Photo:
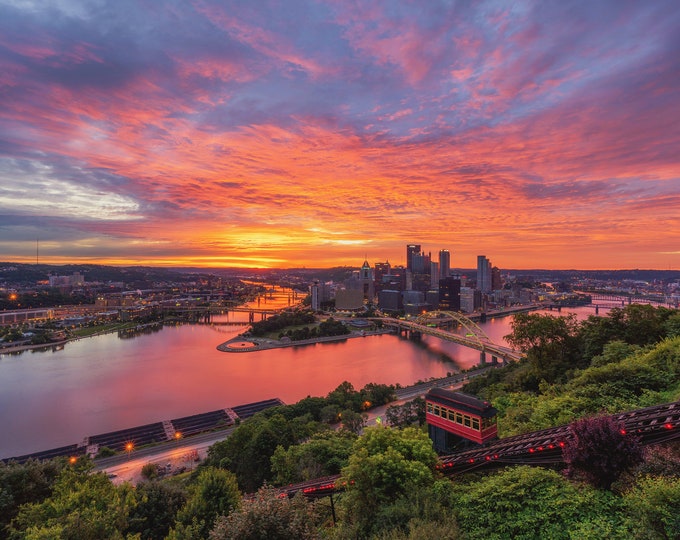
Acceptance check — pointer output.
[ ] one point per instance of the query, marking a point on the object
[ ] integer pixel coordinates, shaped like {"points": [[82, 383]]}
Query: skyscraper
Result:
{"points": [[483, 274], [449, 293], [444, 263], [496, 281], [411, 250]]}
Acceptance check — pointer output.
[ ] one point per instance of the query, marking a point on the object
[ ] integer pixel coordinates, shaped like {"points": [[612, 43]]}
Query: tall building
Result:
{"points": [[411, 250], [496, 281], [483, 274], [449, 293], [420, 263], [363, 280], [380, 270], [315, 296], [444, 263], [434, 275]]}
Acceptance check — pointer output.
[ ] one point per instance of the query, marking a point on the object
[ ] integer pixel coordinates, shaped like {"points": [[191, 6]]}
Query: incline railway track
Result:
{"points": [[650, 425]]}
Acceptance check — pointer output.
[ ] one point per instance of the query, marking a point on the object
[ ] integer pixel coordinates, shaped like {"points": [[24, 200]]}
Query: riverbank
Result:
{"points": [[58, 345], [251, 344], [55, 345]]}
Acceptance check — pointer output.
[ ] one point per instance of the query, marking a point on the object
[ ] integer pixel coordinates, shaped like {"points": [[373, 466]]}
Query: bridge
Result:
{"points": [[431, 323], [205, 313], [623, 298], [24, 315]]}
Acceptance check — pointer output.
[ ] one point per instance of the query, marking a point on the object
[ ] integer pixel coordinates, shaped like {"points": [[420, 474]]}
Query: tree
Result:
{"points": [[30, 482], [83, 506], [672, 325], [411, 412], [248, 451], [654, 508], [600, 450], [323, 454], [530, 502], [550, 343], [150, 471], [614, 351], [157, 504], [269, 517], [215, 493], [352, 421], [385, 465], [378, 394], [345, 397]]}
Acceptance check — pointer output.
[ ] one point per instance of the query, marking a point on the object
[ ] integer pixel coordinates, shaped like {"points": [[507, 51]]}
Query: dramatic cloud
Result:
{"points": [[313, 133]]}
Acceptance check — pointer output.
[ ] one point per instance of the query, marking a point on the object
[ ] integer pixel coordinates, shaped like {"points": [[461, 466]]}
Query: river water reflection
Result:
{"points": [[95, 385]]}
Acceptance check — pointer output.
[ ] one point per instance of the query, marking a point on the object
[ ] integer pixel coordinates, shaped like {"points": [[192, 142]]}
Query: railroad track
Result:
{"points": [[650, 425]]}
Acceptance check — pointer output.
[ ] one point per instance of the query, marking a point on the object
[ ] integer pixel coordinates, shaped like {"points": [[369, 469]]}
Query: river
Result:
{"points": [[53, 398]]}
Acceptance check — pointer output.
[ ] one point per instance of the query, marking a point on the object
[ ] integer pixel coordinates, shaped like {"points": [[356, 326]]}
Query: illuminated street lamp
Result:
{"points": [[72, 460], [129, 447], [178, 435]]}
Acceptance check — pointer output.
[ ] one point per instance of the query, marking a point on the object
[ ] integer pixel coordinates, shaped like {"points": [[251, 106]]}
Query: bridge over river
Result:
{"points": [[440, 324]]}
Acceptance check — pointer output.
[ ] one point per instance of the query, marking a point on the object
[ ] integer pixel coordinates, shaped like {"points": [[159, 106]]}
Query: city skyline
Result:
{"points": [[219, 134]]}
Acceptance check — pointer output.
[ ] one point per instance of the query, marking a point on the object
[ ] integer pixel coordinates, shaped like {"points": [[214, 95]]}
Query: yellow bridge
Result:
{"points": [[440, 324]]}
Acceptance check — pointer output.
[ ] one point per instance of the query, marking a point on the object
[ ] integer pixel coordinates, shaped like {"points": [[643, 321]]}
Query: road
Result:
{"points": [[181, 455]]}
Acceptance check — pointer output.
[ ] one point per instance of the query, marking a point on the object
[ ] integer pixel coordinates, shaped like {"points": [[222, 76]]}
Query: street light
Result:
{"points": [[178, 435], [129, 447]]}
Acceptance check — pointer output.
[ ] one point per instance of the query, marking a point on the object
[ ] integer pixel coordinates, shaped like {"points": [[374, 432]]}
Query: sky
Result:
{"points": [[542, 134]]}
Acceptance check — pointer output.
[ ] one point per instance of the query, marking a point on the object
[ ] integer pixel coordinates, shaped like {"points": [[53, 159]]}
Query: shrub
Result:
{"points": [[600, 450]]}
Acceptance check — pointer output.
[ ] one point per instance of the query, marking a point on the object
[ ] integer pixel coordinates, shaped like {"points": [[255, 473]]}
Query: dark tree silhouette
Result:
{"points": [[600, 450]]}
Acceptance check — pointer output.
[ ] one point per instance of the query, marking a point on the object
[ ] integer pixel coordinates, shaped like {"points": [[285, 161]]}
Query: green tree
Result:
{"points": [[155, 510], [411, 412], [345, 397], [654, 508], [323, 454], [378, 394], [385, 465], [150, 471], [214, 493], [83, 506], [248, 451], [550, 343], [672, 325], [614, 351], [352, 421], [30, 482], [534, 503], [269, 517]]}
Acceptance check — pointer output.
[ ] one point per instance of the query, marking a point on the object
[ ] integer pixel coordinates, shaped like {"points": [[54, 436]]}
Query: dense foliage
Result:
{"points": [[600, 450], [249, 450], [278, 322], [299, 325]]}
